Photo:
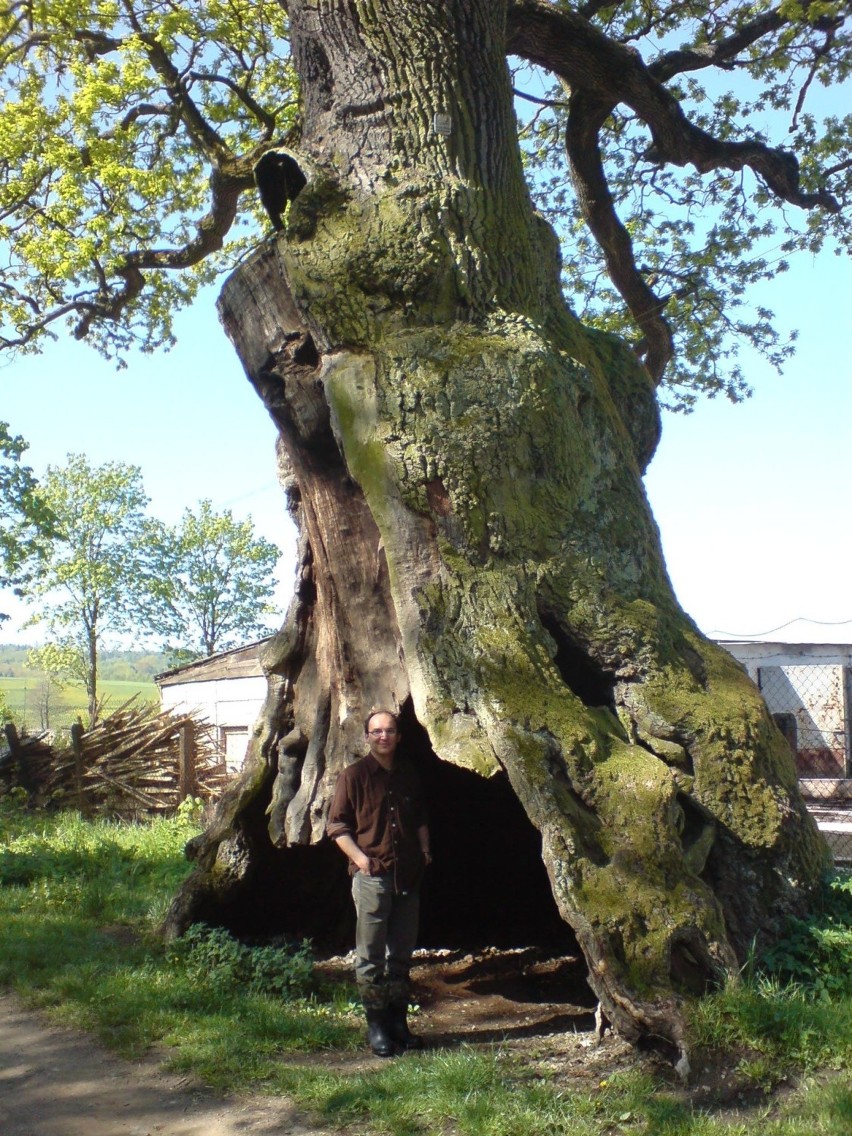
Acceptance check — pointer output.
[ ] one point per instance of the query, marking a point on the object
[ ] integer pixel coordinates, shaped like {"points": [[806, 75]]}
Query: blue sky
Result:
{"points": [[751, 500]]}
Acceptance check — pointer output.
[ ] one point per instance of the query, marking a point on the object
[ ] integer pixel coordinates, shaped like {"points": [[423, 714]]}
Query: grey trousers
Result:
{"points": [[385, 936]]}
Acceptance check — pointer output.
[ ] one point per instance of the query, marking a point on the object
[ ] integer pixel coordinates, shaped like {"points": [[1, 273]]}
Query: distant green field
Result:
{"points": [[25, 698]]}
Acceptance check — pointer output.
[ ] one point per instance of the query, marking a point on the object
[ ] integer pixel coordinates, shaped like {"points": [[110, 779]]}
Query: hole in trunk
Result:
{"points": [[593, 685], [488, 886]]}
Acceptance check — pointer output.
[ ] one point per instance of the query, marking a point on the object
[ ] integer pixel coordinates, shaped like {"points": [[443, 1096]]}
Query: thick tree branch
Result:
{"points": [[586, 116], [110, 305], [208, 140], [211, 230], [112, 309], [721, 54], [586, 59], [601, 73], [94, 42]]}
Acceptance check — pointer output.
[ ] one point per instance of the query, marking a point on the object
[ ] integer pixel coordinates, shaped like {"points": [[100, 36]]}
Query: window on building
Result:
{"points": [[233, 741]]}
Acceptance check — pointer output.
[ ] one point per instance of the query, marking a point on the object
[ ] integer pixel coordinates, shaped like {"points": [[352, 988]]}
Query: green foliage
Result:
{"points": [[211, 955], [26, 521], [703, 238], [38, 703], [816, 953], [79, 901], [127, 132], [114, 665], [109, 870], [793, 1012], [212, 580], [92, 581]]}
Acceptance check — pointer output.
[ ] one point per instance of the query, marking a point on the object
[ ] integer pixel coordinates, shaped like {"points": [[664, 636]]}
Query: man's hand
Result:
{"points": [[348, 846]]}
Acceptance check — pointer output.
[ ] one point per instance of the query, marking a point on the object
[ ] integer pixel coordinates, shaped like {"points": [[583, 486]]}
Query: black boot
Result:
{"points": [[397, 1027], [378, 1034]]}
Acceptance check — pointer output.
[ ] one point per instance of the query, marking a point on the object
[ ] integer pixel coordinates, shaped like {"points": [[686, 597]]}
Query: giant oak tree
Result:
{"points": [[464, 460]]}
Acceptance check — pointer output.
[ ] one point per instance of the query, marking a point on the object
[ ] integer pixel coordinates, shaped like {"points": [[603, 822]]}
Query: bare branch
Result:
{"points": [[838, 168], [111, 309], [555, 103], [819, 52], [266, 119]]}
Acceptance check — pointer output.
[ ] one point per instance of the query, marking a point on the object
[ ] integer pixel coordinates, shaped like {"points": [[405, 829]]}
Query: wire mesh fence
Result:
{"points": [[810, 704]]}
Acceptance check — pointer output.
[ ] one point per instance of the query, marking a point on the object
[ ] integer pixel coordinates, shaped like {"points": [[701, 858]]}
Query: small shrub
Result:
{"points": [[211, 956], [816, 952], [190, 811]]}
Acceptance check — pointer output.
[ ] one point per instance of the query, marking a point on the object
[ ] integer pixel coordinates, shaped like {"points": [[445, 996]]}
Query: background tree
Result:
{"points": [[212, 581], [92, 583], [26, 523], [464, 458]]}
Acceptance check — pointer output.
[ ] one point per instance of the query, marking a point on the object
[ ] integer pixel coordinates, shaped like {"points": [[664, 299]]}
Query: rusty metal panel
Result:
{"points": [[810, 705]]}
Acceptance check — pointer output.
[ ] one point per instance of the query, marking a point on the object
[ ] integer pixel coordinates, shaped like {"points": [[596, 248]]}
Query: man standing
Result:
{"points": [[378, 820]]}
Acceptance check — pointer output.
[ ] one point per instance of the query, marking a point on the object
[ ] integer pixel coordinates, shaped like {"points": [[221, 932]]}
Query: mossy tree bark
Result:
{"points": [[464, 461]]}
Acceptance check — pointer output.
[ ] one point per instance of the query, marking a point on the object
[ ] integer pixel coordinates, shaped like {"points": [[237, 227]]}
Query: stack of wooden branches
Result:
{"points": [[139, 759]]}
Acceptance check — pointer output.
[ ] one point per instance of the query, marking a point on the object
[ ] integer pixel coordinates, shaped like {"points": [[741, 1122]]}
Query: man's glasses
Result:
{"points": [[383, 733]]}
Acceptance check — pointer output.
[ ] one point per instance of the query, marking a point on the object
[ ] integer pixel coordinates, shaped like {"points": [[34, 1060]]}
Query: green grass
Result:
{"points": [[23, 696], [79, 904]]}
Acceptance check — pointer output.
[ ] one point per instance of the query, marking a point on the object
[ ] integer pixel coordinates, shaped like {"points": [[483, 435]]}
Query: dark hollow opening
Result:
{"points": [[487, 887], [593, 685]]}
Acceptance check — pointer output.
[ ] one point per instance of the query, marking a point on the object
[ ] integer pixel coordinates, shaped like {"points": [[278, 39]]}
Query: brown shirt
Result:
{"points": [[382, 810]]}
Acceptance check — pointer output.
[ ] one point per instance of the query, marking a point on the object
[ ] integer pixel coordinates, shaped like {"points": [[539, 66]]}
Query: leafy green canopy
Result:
{"points": [[211, 581], [108, 569], [128, 132], [703, 233], [26, 521], [92, 581]]}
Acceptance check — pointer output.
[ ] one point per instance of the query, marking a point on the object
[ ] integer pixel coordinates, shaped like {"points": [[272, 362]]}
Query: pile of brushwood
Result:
{"points": [[138, 760]]}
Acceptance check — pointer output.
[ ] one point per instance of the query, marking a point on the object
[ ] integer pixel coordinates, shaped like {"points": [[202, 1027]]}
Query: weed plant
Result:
{"points": [[79, 904]]}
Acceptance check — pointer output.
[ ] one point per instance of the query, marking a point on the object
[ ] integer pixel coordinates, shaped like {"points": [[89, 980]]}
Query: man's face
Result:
{"points": [[382, 736]]}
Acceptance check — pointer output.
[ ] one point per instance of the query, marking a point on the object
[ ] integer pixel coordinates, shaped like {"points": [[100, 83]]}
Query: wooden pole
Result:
{"points": [[186, 761], [17, 751], [77, 747]]}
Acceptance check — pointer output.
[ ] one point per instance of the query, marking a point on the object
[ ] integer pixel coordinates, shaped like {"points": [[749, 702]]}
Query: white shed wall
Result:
{"points": [[231, 705]]}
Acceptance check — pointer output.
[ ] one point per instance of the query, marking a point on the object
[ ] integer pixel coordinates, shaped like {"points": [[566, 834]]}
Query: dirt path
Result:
{"points": [[56, 1082]]}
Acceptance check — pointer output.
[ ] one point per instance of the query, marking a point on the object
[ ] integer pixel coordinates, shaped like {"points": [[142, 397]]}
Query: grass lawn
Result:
{"points": [[24, 697], [79, 903]]}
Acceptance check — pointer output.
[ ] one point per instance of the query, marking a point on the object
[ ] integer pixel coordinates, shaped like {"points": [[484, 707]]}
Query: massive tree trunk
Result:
{"points": [[464, 461]]}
